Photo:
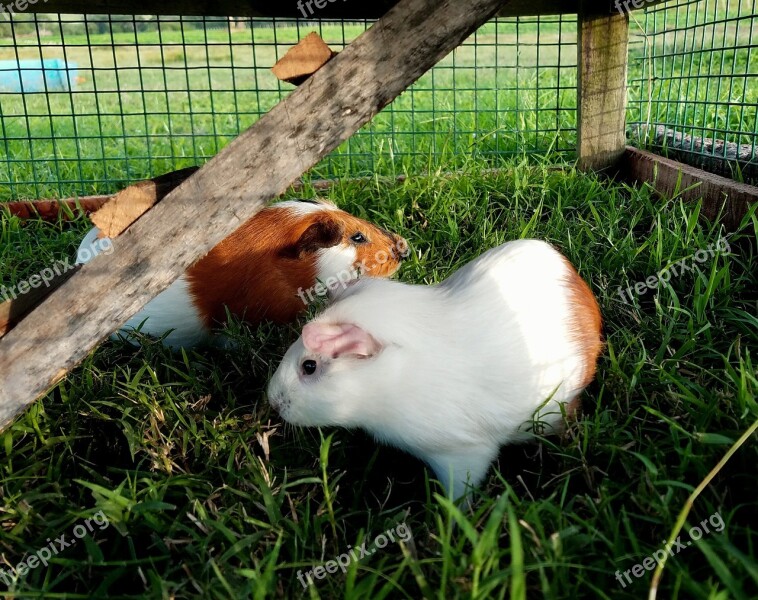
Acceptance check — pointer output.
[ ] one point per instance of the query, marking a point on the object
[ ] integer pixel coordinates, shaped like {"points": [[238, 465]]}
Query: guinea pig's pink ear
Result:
{"points": [[342, 339]]}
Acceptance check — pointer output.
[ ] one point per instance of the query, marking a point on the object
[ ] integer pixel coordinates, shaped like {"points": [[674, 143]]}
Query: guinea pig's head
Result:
{"points": [[326, 376], [344, 246]]}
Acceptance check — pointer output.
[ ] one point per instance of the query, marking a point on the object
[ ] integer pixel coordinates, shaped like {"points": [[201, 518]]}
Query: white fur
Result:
{"points": [[300, 207], [171, 310], [464, 365], [90, 247], [338, 261]]}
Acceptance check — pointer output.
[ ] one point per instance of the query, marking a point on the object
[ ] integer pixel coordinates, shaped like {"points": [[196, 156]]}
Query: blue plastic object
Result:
{"points": [[34, 76]]}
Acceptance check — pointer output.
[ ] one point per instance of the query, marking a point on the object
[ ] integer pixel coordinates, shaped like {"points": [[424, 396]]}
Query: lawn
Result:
{"points": [[167, 475], [207, 495]]}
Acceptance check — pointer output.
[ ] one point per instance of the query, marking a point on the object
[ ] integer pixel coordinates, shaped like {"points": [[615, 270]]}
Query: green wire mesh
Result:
{"points": [[125, 98], [694, 84], [140, 96]]}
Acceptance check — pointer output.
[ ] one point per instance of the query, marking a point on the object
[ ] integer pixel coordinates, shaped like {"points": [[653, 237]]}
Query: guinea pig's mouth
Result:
{"points": [[279, 403]]}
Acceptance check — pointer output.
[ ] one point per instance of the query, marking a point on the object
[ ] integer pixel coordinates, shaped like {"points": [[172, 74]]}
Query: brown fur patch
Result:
{"points": [[586, 326], [255, 273]]}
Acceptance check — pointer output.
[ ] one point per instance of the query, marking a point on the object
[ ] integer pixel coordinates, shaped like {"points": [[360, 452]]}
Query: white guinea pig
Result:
{"points": [[449, 372]]}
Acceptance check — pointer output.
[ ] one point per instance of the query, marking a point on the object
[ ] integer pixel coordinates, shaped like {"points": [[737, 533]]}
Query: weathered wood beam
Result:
{"points": [[331, 10], [52, 210], [324, 9], [601, 86], [228, 190], [14, 310], [670, 178], [708, 153]]}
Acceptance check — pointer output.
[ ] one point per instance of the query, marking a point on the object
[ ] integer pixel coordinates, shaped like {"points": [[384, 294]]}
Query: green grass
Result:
{"points": [[209, 496]]}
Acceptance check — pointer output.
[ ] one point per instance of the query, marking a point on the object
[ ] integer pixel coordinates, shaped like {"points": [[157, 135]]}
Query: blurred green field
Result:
{"points": [[155, 100], [152, 107]]}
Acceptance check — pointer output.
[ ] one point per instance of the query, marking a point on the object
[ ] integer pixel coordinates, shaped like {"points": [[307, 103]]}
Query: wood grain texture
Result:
{"points": [[15, 309], [268, 8], [355, 9], [303, 59], [232, 187], [132, 202], [602, 55], [670, 178], [710, 154]]}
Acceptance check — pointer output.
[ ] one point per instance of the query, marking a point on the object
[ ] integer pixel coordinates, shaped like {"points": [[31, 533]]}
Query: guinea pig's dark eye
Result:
{"points": [[309, 367], [358, 238]]}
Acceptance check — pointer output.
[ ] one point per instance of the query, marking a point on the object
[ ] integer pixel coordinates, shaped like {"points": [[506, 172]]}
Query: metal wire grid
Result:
{"points": [[141, 97], [694, 83]]}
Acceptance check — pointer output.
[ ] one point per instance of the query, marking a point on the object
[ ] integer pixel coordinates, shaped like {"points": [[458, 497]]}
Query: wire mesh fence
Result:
{"points": [[694, 84], [121, 99], [91, 103]]}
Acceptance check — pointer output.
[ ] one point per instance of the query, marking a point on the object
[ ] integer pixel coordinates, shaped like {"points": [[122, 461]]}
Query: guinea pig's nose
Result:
{"points": [[271, 402]]}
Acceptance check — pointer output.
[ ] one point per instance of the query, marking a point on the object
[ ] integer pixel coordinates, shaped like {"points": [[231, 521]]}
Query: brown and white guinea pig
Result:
{"points": [[266, 270], [453, 371]]}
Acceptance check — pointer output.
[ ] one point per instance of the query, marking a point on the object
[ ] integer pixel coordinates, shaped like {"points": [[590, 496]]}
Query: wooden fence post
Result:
{"points": [[602, 70]]}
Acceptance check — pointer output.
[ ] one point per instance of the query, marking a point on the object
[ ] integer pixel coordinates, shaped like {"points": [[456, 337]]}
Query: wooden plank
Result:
{"points": [[228, 190], [601, 87], [52, 210], [267, 8], [331, 10], [14, 310], [670, 179], [132, 202], [714, 155], [303, 59]]}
